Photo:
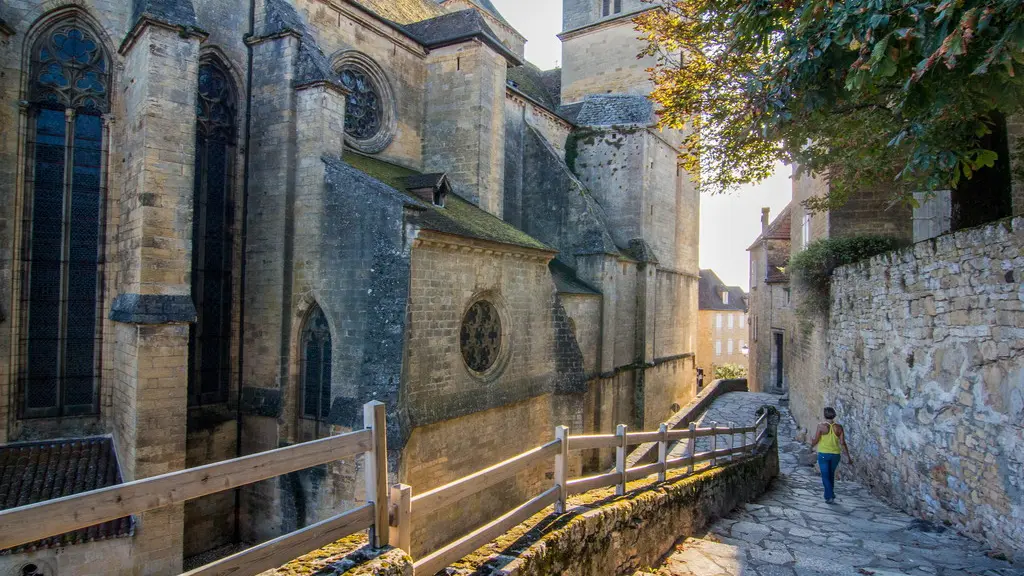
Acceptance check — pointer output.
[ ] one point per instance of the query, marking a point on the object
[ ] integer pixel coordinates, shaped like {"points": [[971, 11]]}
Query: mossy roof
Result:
{"points": [[403, 11], [458, 217]]}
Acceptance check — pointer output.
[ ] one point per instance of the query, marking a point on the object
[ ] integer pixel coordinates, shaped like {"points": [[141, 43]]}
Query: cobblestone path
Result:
{"points": [[790, 531]]}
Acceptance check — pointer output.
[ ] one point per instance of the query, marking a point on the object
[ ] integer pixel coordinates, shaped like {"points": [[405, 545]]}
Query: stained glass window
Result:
{"points": [[63, 252], [316, 366], [210, 336], [363, 110], [480, 336]]}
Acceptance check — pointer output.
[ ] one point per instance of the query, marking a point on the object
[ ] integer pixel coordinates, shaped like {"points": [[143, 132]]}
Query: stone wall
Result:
{"points": [[925, 366], [603, 59], [100, 558]]}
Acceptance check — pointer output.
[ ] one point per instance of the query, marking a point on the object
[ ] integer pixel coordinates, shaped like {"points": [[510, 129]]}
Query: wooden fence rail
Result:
{"points": [[388, 514]]}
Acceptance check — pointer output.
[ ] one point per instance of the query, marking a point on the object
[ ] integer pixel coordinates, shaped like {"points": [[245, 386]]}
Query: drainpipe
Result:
{"points": [[241, 289]]}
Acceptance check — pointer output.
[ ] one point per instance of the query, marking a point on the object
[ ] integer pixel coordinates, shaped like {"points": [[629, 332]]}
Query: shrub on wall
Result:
{"points": [[730, 372], [812, 268]]}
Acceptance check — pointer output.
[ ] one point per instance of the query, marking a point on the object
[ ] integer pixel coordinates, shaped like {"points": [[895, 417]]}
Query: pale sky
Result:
{"points": [[729, 223]]}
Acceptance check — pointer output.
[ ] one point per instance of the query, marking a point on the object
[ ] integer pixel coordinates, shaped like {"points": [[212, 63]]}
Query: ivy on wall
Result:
{"points": [[812, 268]]}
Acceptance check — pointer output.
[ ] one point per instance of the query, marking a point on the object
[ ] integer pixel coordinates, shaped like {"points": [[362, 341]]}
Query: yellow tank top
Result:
{"points": [[829, 443]]}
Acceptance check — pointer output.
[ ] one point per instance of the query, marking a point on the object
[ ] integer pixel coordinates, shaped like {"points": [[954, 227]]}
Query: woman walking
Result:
{"points": [[831, 441]]}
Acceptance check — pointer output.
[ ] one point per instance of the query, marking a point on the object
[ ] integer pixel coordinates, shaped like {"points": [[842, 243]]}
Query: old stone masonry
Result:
{"points": [[790, 531]]}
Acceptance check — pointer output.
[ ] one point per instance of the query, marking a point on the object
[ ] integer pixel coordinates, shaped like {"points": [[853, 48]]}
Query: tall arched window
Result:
{"points": [[316, 366], [210, 337], [69, 92]]}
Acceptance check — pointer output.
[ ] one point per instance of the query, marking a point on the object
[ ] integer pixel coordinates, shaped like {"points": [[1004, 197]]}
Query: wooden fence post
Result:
{"points": [[693, 447], [662, 451], [376, 471], [562, 468], [714, 444], [732, 440], [401, 520], [620, 459]]}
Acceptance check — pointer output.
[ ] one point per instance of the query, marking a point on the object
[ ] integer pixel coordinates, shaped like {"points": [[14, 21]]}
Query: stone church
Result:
{"points": [[227, 224]]}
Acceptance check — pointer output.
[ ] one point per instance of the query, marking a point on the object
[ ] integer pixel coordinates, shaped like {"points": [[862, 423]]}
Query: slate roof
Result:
{"points": [[37, 471], [312, 65], [458, 217], [489, 7], [174, 12], [709, 294], [456, 27], [403, 11], [567, 282], [536, 84], [611, 110]]}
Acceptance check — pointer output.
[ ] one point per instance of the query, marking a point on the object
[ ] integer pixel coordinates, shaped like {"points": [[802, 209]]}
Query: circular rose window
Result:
{"points": [[370, 117], [363, 110], [481, 336]]}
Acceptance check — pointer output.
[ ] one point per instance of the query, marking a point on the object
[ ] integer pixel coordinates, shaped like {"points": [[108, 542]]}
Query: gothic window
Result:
{"points": [[370, 122], [316, 366], [63, 249], [609, 7], [210, 337], [480, 336]]}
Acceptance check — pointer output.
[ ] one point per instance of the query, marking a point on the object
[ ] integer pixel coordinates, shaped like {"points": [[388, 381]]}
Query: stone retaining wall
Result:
{"points": [[925, 365]]}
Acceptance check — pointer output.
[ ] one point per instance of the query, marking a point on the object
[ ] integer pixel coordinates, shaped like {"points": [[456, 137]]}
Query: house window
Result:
{"points": [[718, 347], [316, 366], [729, 346], [718, 321], [725, 297], [805, 231], [210, 336], [63, 251], [743, 320], [609, 7], [731, 321]]}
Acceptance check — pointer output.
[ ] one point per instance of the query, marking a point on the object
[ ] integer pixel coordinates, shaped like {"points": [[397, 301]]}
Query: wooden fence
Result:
{"points": [[388, 516]]}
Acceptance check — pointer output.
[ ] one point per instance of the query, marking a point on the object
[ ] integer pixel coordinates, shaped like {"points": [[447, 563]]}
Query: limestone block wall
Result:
{"points": [[926, 368], [675, 320], [464, 133], [340, 27], [101, 558], [577, 13], [625, 327], [448, 275], [610, 163], [508, 35], [668, 385], [585, 312], [603, 59]]}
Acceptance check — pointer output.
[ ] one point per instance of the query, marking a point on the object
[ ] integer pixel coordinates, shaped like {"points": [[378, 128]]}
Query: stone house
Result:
{"points": [[228, 224], [722, 335], [769, 303], [919, 352]]}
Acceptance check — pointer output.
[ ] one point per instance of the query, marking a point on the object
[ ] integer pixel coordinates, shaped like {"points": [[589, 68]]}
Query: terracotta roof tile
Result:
{"points": [[32, 472]]}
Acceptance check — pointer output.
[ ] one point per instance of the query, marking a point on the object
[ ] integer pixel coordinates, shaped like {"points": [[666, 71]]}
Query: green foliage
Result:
{"points": [[812, 268], [861, 91], [730, 372]]}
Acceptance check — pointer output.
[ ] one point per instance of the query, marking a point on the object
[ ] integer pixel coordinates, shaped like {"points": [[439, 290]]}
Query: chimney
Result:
{"points": [[764, 218]]}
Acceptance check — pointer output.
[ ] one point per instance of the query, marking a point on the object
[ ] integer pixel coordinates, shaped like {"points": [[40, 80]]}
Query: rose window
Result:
{"points": [[363, 111], [481, 336]]}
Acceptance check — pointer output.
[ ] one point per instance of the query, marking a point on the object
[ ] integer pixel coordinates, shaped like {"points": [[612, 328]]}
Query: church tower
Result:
{"points": [[600, 47]]}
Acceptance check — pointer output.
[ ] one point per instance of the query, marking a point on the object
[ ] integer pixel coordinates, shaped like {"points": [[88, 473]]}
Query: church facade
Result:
{"points": [[227, 224]]}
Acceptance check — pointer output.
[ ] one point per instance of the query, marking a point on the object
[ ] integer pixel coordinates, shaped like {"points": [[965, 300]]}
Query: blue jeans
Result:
{"points": [[828, 463]]}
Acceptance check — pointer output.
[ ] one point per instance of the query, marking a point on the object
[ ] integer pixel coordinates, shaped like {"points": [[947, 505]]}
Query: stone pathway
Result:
{"points": [[790, 531], [734, 407]]}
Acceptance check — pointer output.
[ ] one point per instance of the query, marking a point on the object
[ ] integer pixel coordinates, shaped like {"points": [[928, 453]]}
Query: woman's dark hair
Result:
{"points": [[830, 413]]}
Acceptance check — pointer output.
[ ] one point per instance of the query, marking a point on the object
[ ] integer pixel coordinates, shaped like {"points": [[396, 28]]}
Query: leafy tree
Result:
{"points": [[730, 372], [861, 91]]}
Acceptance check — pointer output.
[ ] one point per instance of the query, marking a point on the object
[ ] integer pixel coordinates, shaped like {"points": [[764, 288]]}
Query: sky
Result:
{"points": [[730, 222]]}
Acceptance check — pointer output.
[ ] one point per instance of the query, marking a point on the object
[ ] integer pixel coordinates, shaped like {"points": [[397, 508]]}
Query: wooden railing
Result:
{"points": [[33, 522], [388, 516], [737, 441]]}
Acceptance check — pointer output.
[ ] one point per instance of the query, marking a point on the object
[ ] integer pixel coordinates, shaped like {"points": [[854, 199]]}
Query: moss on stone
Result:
{"points": [[458, 216]]}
